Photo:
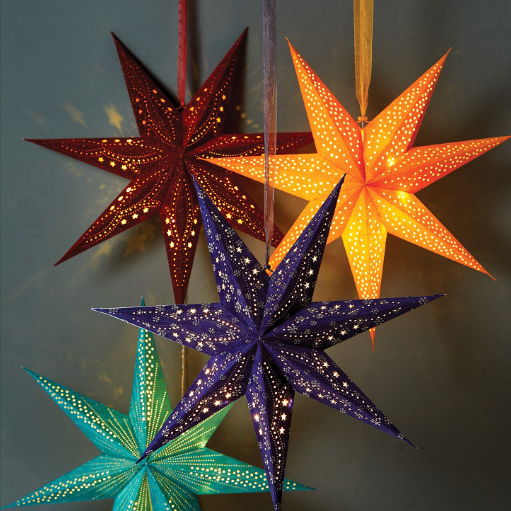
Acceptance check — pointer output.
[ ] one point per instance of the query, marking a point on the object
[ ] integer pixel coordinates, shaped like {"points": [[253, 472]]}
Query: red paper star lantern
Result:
{"points": [[383, 172], [161, 162]]}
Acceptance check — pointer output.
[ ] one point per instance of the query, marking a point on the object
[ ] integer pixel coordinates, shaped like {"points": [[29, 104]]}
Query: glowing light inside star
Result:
{"points": [[383, 172]]}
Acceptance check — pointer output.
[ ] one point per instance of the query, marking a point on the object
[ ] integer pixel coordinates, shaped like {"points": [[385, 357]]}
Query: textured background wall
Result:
{"points": [[441, 374]]}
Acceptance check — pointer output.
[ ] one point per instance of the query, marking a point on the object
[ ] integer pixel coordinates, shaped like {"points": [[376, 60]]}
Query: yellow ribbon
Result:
{"points": [[363, 18]]}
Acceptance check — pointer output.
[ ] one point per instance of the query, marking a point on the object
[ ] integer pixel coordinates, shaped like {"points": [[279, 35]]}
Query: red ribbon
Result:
{"points": [[181, 60]]}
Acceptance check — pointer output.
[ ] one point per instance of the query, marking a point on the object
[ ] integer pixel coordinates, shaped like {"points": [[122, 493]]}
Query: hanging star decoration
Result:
{"points": [[266, 339], [383, 172], [168, 480], [161, 162]]}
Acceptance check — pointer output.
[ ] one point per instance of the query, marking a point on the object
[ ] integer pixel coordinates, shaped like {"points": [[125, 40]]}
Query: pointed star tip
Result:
{"points": [[31, 373], [103, 311], [410, 443], [337, 190], [116, 40], [241, 38], [34, 141], [428, 299], [292, 49], [118, 44], [65, 257], [442, 60], [482, 270], [339, 184]]}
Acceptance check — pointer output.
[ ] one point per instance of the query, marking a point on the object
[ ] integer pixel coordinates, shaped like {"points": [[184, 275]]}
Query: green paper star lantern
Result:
{"points": [[168, 480]]}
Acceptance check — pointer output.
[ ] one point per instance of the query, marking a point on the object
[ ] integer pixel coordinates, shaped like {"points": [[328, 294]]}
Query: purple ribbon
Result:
{"points": [[270, 114]]}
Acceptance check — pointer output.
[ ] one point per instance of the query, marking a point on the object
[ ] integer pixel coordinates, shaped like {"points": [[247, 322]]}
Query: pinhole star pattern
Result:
{"points": [[266, 339], [383, 173], [161, 162], [171, 477]]}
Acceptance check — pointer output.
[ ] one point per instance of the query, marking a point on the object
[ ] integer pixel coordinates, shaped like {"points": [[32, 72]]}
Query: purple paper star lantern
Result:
{"points": [[266, 339]]}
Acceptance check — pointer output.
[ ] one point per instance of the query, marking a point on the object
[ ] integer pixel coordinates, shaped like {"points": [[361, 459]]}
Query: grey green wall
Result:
{"points": [[441, 374]]}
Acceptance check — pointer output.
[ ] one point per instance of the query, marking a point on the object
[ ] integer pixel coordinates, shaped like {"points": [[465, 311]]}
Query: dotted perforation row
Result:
{"points": [[80, 482], [406, 217], [335, 133], [112, 433], [153, 109], [327, 383]]}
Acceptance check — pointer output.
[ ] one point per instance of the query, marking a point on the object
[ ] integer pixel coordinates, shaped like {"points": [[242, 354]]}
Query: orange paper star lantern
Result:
{"points": [[383, 172]]}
